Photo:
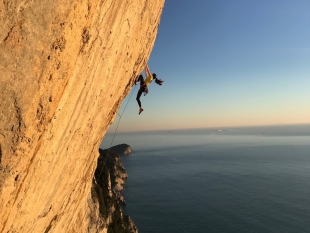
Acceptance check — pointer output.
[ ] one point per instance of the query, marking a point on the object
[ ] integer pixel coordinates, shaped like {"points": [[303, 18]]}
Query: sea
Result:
{"points": [[230, 180]]}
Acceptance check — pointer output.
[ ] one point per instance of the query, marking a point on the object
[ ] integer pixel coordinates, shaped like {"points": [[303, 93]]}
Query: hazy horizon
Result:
{"points": [[112, 130]]}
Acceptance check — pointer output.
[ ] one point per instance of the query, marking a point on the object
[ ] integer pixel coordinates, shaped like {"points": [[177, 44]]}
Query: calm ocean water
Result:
{"points": [[234, 180]]}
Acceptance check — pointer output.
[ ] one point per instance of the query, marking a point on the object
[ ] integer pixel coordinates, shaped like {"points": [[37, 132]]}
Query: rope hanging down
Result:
{"points": [[120, 116]]}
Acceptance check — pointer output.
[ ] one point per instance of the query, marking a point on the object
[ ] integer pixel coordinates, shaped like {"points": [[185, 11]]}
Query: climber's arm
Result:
{"points": [[147, 71]]}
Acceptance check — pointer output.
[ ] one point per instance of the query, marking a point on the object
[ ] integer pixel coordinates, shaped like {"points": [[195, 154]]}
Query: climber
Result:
{"points": [[144, 83]]}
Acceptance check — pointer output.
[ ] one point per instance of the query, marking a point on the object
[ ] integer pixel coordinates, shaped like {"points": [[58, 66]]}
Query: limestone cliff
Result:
{"points": [[65, 67], [109, 178]]}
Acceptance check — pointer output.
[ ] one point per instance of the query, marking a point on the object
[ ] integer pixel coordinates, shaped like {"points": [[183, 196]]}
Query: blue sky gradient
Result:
{"points": [[227, 63]]}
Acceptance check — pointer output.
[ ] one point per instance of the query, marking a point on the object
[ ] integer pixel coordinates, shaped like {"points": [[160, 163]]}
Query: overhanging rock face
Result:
{"points": [[65, 67]]}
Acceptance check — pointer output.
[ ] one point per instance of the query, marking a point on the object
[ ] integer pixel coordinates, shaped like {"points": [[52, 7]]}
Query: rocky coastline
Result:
{"points": [[121, 149], [109, 178]]}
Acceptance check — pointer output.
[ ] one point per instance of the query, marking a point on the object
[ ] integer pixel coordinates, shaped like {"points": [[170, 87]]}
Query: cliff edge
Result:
{"points": [[109, 178], [65, 67]]}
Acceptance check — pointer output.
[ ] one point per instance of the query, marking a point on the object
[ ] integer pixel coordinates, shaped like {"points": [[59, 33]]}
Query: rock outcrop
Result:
{"points": [[109, 178], [121, 149], [65, 67]]}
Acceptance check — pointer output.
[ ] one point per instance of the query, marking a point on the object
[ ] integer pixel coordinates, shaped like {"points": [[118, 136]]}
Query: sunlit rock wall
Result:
{"points": [[65, 67]]}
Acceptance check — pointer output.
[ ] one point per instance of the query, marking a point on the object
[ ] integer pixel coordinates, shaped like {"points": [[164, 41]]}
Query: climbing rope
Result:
{"points": [[120, 116]]}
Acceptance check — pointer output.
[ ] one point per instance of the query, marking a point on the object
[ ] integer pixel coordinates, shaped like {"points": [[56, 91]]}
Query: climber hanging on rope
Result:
{"points": [[144, 84]]}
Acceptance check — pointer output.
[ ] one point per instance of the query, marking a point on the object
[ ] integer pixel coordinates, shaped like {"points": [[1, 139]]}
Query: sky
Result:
{"points": [[226, 63]]}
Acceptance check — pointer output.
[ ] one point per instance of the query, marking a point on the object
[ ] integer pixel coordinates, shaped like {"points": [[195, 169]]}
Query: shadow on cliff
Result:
{"points": [[107, 171]]}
